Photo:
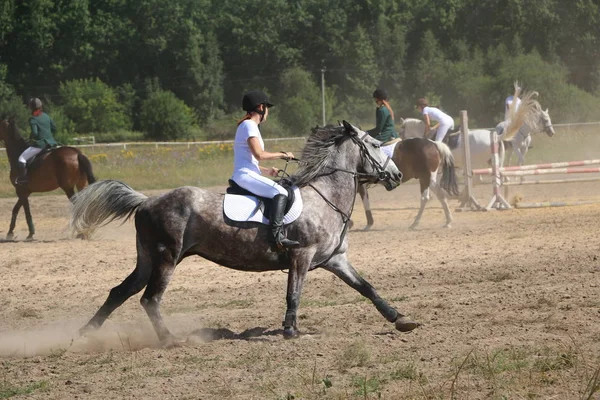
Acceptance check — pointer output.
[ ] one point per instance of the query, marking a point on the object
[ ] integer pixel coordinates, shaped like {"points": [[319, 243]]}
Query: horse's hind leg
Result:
{"points": [[364, 196], [439, 192], [13, 221], [130, 286], [342, 268], [424, 185], [162, 270], [296, 276]]}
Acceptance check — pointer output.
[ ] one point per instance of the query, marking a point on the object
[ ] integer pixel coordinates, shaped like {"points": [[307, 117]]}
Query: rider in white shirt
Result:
{"points": [[509, 100], [248, 150], [445, 122]]}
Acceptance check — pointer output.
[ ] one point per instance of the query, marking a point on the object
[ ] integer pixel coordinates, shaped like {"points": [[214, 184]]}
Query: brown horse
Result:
{"points": [[65, 167], [422, 159]]}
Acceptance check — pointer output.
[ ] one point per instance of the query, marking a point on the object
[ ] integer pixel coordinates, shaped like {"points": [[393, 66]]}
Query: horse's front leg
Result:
{"points": [[13, 221], [364, 196], [28, 218], [341, 267], [296, 276]]}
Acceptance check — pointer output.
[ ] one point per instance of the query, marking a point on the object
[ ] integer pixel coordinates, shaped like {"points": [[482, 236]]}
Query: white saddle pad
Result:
{"points": [[389, 149], [249, 209]]}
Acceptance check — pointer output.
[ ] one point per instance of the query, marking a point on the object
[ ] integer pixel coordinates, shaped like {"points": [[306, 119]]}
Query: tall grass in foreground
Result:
{"points": [[146, 166]]}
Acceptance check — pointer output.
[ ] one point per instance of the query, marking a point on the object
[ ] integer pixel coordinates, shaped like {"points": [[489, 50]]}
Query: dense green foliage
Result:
{"points": [[79, 55]]}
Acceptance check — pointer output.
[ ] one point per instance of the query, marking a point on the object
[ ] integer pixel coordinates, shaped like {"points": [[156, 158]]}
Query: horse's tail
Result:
{"points": [[521, 115], [101, 203], [449, 182], [86, 167]]}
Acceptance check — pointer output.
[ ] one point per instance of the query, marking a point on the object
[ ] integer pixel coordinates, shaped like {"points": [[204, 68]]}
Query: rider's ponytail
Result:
{"points": [[246, 117], [385, 103]]}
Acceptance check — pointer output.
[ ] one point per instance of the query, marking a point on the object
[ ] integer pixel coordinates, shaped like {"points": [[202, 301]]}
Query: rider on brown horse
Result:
{"points": [[42, 128]]}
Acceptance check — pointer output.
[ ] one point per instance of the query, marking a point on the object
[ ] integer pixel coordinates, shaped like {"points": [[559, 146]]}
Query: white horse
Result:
{"points": [[522, 141]]}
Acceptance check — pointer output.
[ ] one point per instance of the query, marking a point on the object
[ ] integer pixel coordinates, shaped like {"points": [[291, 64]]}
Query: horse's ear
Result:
{"points": [[350, 129], [547, 111], [401, 121]]}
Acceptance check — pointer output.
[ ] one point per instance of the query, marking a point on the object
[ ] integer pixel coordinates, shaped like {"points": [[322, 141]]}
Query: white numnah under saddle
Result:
{"points": [[242, 208]]}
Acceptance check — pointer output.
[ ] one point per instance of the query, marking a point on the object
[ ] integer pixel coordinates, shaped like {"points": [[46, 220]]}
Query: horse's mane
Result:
{"points": [[523, 115], [319, 148], [412, 121]]}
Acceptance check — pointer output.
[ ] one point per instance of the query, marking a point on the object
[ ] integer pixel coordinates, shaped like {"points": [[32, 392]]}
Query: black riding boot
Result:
{"points": [[276, 238], [22, 178]]}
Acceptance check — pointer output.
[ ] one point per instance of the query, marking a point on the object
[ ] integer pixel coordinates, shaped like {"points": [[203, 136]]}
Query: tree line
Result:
{"points": [[178, 68]]}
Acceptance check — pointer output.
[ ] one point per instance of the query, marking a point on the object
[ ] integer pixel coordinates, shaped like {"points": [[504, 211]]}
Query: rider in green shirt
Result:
{"points": [[384, 130], [42, 130]]}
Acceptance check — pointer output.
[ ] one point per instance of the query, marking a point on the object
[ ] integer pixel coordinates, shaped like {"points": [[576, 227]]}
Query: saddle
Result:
{"points": [[241, 205], [451, 139], [34, 161]]}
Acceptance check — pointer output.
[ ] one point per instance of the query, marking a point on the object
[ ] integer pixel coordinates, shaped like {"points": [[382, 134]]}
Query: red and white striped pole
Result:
{"points": [[498, 201]]}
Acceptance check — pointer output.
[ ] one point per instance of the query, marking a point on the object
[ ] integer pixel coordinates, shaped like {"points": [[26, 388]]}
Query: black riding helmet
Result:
{"points": [[253, 99], [380, 94], [35, 103]]}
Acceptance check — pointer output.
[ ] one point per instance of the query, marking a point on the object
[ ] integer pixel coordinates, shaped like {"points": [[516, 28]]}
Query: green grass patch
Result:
{"points": [[8, 390]]}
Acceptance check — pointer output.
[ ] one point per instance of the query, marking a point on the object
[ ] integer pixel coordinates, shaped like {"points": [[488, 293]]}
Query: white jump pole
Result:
{"points": [[468, 202], [498, 201], [553, 171]]}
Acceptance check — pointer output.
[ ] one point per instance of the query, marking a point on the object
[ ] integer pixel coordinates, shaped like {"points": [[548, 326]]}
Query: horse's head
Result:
{"points": [[546, 122], [374, 166], [411, 128], [4, 129], [9, 129]]}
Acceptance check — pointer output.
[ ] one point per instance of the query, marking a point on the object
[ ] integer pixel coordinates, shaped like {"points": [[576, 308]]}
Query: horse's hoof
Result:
{"points": [[412, 228], [405, 324], [448, 226], [290, 333], [171, 341], [29, 238], [10, 236], [89, 328], [367, 228]]}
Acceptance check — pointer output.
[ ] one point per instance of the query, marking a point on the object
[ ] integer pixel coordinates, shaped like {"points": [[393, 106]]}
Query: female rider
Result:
{"points": [[384, 130], [445, 122], [248, 150]]}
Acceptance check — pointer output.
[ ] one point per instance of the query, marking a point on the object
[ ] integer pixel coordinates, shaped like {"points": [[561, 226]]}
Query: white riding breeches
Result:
{"points": [[442, 129], [29, 153], [258, 184]]}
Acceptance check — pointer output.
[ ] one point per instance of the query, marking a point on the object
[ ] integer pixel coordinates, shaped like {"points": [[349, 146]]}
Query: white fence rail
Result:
{"points": [[124, 145]]}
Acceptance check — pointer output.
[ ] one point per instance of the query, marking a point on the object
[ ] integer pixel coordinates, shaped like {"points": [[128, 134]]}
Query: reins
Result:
{"points": [[382, 174]]}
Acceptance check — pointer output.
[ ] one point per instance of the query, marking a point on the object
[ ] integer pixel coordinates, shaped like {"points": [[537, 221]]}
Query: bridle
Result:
{"points": [[380, 175]]}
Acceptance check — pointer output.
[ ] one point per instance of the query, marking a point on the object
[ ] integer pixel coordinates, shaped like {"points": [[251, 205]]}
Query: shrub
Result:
{"points": [[93, 106], [164, 116], [301, 101]]}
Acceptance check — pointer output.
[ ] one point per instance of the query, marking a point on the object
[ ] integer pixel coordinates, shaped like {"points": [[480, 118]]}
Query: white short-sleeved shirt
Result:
{"points": [[242, 156], [438, 115]]}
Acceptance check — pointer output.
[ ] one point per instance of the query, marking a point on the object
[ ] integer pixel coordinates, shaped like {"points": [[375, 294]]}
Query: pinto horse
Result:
{"points": [[65, 167], [421, 159]]}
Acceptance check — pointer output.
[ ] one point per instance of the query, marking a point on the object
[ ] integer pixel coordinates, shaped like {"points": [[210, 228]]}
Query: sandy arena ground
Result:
{"points": [[509, 303]]}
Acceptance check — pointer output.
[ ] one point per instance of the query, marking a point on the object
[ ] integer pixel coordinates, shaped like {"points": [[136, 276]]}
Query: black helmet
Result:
{"points": [[380, 94], [253, 99], [35, 103]]}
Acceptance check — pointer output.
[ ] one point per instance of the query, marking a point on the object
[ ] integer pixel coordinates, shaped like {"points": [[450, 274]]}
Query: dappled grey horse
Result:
{"points": [[189, 221]]}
